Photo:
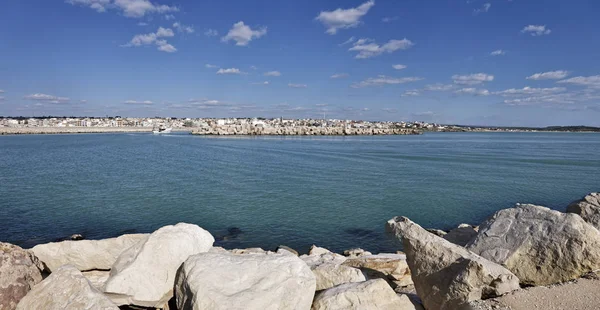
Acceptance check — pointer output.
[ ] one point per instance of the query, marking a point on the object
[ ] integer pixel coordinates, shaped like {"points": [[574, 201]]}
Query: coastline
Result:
{"points": [[76, 130]]}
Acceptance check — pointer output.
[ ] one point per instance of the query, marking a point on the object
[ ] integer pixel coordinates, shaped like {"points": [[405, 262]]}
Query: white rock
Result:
{"points": [[144, 274], [66, 289], [391, 266], [447, 276], [258, 281], [588, 208], [97, 278], [331, 274], [85, 254], [315, 250], [314, 260], [369, 295]]}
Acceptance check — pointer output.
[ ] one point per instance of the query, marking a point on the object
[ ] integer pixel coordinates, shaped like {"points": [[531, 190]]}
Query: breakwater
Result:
{"points": [[224, 130], [74, 130]]}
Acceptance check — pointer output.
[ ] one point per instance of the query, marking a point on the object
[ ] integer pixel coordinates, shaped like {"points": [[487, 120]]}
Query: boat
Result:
{"points": [[161, 129]]}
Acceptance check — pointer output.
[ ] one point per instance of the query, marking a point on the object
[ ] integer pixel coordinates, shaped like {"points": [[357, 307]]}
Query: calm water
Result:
{"points": [[336, 192]]}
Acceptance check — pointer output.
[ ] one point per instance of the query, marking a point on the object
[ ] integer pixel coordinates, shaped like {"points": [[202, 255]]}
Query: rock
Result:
{"points": [[259, 281], [315, 250], [588, 208], [539, 245], [387, 266], [331, 274], [437, 232], [217, 249], [97, 278], [85, 254], [76, 237], [314, 260], [369, 295], [461, 235], [248, 251], [445, 275], [356, 252], [286, 248], [144, 274], [20, 270], [66, 288]]}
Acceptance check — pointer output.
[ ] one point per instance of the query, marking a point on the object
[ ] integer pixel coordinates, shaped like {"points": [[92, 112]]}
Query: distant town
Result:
{"points": [[14, 125]]}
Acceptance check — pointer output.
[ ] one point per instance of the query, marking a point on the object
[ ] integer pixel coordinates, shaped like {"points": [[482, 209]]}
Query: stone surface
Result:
{"points": [[331, 274], [330, 257], [248, 251], [66, 289], [369, 295], [356, 252], [315, 250], [461, 235], [144, 274], [539, 245], [258, 281], [390, 266], [97, 278], [20, 270], [588, 208], [287, 248], [85, 254], [445, 275]]}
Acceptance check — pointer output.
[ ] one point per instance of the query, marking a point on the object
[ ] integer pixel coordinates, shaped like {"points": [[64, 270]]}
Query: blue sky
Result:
{"points": [[492, 62]]}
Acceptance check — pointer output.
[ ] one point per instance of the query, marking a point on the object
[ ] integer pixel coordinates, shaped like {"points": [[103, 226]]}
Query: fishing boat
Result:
{"points": [[161, 129]]}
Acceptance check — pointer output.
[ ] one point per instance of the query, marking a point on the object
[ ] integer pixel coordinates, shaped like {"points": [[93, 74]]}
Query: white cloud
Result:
{"points": [[551, 75], [183, 28], [399, 67], [352, 39], [169, 17], [472, 79], [273, 73], [261, 83], [340, 76], [253, 67], [229, 71], [1, 91], [589, 81], [47, 98], [484, 9], [472, 91], [145, 102], [438, 87], [384, 80], [343, 18], [536, 30], [498, 53], [211, 33], [292, 85], [154, 38], [411, 93], [368, 49], [530, 91], [389, 19], [210, 66], [142, 24], [243, 34], [82, 101], [129, 8]]}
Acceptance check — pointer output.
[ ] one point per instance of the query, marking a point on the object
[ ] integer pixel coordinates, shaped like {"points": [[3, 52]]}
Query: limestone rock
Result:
{"points": [[389, 266], [356, 252], [588, 208], [461, 235], [445, 275], [331, 274], [248, 251], [97, 278], [287, 248], [314, 260], [20, 270], [539, 245], [228, 281], [369, 295], [66, 289], [437, 232], [144, 274], [85, 254], [315, 250]]}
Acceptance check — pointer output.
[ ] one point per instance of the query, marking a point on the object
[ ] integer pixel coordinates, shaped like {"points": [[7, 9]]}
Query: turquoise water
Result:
{"points": [[335, 192]]}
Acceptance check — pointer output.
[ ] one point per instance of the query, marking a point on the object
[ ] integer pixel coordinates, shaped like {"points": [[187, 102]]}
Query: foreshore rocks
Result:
{"points": [[20, 270], [85, 254], [539, 245], [66, 288], [368, 295], [249, 281], [224, 130], [144, 274], [588, 208], [447, 276]]}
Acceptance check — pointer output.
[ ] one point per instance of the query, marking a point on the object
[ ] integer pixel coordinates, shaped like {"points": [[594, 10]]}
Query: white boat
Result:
{"points": [[161, 129]]}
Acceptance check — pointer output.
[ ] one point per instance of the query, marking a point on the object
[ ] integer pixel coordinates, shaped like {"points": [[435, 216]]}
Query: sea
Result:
{"points": [[264, 191]]}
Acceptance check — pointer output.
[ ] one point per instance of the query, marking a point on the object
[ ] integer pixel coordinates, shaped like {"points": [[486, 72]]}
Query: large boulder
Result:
{"points": [[144, 274], [384, 265], [462, 234], [67, 289], [445, 275], [539, 245], [255, 281], [85, 254], [588, 208], [20, 270], [331, 274], [369, 295]]}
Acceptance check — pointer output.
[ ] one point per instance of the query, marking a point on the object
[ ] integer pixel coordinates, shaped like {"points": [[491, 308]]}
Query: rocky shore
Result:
{"points": [[525, 257], [69, 130], [223, 130]]}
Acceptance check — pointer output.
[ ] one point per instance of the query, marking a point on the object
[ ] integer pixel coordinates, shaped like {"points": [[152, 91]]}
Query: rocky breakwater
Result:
{"points": [[225, 130]]}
